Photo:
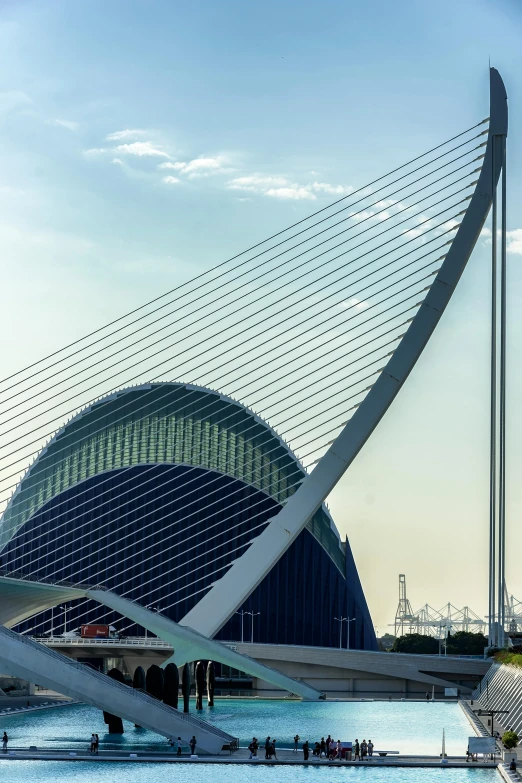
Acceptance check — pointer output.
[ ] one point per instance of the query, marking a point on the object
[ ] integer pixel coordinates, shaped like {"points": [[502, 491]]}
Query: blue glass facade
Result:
{"points": [[153, 493]]}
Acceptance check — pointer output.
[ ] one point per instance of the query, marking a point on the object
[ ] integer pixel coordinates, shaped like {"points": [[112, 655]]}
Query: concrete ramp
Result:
{"points": [[31, 661]]}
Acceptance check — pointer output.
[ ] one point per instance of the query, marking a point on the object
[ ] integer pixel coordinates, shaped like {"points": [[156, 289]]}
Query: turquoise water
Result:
{"points": [[84, 772], [409, 727]]}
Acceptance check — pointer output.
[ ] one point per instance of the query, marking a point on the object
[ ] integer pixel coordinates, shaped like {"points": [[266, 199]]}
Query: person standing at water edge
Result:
{"points": [[96, 743], [364, 749], [93, 743], [356, 751], [272, 749], [306, 750], [178, 752], [370, 748], [296, 742], [327, 746], [268, 746], [322, 747], [192, 744], [5, 740]]}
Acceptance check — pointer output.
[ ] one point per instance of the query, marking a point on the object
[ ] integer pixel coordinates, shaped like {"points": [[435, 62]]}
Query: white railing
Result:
{"points": [[66, 641]]}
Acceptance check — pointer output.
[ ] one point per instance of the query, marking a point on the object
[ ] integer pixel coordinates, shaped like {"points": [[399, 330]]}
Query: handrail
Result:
{"points": [[108, 682], [65, 641]]}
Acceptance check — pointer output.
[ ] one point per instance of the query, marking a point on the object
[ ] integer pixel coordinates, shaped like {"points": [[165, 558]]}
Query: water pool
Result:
{"points": [[84, 772], [413, 728]]}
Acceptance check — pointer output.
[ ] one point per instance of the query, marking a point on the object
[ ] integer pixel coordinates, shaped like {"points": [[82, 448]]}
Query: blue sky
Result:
{"points": [[142, 142]]}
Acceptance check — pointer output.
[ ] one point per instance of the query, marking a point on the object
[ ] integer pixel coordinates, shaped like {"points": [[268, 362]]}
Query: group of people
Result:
{"points": [[330, 749], [178, 745], [327, 748], [95, 743], [270, 748]]}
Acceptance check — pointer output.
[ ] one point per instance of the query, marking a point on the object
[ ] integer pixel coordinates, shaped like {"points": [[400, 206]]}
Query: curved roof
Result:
{"points": [[158, 423]]}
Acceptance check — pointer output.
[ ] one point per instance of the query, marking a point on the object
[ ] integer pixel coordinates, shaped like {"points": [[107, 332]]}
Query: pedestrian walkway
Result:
{"points": [[285, 757]]}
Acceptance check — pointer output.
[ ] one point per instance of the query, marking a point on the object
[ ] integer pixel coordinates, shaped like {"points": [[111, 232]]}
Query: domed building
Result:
{"points": [[153, 492]]}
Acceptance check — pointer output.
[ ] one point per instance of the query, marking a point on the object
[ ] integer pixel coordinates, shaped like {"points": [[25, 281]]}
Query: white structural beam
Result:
{"points": [[25, 658], [192, 646], [20, 599], [248, 571]]}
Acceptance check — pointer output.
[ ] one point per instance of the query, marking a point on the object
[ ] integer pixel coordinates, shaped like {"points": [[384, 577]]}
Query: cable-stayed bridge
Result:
{"points": [[293, 351]]}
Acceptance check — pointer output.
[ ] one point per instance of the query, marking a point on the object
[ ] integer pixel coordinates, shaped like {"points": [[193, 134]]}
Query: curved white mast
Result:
{"points": [[218, 605]]}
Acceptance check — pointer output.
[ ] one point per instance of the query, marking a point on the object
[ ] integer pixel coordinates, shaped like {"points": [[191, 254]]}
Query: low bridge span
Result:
{"points": [[22, 657]]}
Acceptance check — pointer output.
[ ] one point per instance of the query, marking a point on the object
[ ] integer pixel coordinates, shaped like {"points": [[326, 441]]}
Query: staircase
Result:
{"points": [[22, 657]]}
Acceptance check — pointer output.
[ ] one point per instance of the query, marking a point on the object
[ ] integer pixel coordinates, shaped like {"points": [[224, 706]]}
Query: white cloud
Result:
{"points": [[199, 164], [415, 232], [174, 166], [118, 161], [68, 124], [94, 152], [334, 190], [141, 149], [514, 241], [447, 225], [199, 167], [256, 183], [125, 134], [294, 192], [171, 180], [362, 215], [283, 188], [358, 304]]}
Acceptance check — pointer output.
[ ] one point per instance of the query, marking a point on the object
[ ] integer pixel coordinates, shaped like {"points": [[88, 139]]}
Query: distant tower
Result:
{"points": [[404, 615]]}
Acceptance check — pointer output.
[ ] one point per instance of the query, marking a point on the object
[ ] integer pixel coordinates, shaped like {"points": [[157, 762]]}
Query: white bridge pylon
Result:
{"points": [[227, 594]]}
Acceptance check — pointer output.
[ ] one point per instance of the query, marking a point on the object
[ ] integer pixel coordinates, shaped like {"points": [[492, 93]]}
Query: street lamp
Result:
{"points": [[491, 714], [341, 620], [253, 614], [352, 620], [243, 613], [64, 607], [155, 609], [445, 627]]}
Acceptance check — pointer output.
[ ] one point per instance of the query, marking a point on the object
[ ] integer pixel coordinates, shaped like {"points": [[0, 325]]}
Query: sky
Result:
{"points": [[143, 142]]}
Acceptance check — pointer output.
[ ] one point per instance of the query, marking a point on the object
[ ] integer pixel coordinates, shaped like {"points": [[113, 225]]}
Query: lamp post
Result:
{"points": [[445, 627], [253, 614], [64, 607], [491, 714], [154, 609], [352, 620], [341, 620], [243, 613]]}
